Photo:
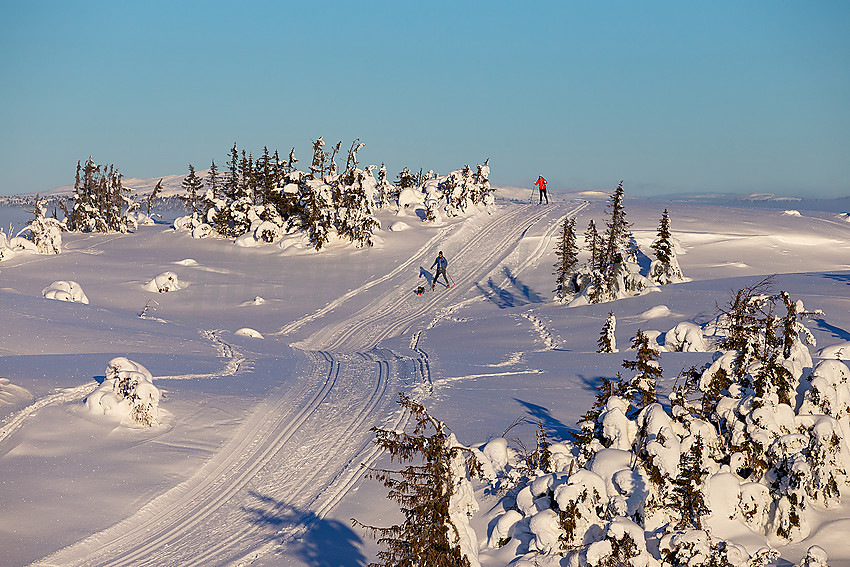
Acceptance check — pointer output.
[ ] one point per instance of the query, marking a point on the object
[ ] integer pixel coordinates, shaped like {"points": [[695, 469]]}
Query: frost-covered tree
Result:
{"points": [[567, 254], [192, 184], [214, 180], [593, 243], [100, 201], [231, 182], [688, 486], [607, 340], [617, 232], [426, 492], [45, 232], [665, 268], [643, 386]]}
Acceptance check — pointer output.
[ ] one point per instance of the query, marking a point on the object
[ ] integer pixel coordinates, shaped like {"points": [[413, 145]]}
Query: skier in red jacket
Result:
{"points": [[541, 184]]}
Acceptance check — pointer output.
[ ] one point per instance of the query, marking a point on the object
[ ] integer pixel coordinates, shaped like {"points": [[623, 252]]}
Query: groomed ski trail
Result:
{"points": [[474, 252], [294, 458]]}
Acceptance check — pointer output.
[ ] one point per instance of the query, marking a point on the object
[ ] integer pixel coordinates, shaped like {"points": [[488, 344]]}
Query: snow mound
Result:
{"points": [[13, 395], [656, 312], [840, 351], [685, 337], [126, 395], [65, 291], [399, 226], [187, 262], [165, 282], [256, 301], [249, 332]]}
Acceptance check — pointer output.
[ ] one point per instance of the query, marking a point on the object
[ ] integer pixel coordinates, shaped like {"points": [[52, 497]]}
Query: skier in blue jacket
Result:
{"points": [[441, 264]]}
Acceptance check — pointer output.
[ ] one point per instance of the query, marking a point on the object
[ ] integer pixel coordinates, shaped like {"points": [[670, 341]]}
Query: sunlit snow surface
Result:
{"points": [[257, 451]]}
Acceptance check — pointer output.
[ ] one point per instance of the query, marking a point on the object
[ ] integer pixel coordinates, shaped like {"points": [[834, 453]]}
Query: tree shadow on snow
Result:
{"points": [[838, 277], [516, 294], [555, 428], [326, 543], [838, 332]]}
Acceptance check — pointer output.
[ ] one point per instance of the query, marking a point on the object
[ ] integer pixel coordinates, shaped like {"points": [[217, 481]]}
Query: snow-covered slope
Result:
{"points": [[256, 457]]}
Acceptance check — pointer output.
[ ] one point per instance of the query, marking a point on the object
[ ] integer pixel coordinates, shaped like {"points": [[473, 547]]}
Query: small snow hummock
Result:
{"points": [[165, 282], [65, 291], [249, 332], [127, 394]]}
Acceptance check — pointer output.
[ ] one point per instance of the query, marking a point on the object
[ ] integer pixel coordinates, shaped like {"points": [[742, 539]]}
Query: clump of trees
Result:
{"points": [[611, 270], [100, 203], [743, 437], [267, 197]]}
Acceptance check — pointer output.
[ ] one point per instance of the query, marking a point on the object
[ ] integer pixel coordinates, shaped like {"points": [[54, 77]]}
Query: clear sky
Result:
{"points": [[670, 96]]}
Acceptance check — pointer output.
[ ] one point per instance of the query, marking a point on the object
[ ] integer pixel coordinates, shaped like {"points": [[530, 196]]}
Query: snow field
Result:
{"points": [[265, 489]]}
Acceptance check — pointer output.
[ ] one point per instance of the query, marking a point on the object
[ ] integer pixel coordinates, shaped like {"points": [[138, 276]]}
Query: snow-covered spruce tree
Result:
{"points": [[45, 232], [214, 180], [593, 243], [607, 340], [192, 184], [590, 437], [567, 254], [617, 233], [688, 486], [426, 494], [643, 387], [354, 218], [386, 191], [665, 268], [100, 201], [315, 210]]}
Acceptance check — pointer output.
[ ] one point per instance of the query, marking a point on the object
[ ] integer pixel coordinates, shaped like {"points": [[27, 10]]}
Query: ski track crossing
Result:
{"points": [[300, 450]]}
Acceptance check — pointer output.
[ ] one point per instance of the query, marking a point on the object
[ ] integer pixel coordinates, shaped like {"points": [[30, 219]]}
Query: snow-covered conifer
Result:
{"points": [[192, 184], [643, 385], [567, 254], [593, 243], [607, 340], [617, 232], [665, 268], [425, 492]]}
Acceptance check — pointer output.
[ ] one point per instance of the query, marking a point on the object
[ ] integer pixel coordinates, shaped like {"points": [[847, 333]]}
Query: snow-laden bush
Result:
{"points": [[65, 291], [45, 232], [127, 394], [165, 282], [731, 447]]}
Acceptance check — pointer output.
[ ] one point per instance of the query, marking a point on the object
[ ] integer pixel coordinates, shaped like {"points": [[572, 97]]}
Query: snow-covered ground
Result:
{"points": [[256, 454]]}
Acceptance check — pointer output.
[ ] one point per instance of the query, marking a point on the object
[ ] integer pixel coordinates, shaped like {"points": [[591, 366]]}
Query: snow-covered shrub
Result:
{"points": [[45, 232], [65, 291], [685, 337], [815, 557], [624, 543], [696, 548], [127, 394], [165, 282]]}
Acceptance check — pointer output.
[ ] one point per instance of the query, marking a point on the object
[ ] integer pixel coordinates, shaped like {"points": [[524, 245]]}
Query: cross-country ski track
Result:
{"points": [[301, 448]]}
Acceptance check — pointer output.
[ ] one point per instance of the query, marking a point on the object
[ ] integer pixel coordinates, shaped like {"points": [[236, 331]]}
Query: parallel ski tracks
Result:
{"points": [[475, 257], [206, 520]]}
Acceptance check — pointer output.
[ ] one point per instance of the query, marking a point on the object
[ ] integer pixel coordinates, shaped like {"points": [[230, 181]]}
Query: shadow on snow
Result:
{"points": [[325, 543], [515, 294]]}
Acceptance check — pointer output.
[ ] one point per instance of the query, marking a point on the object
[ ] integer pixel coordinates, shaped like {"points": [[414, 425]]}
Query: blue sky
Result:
{"points": [[668, 96]]}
